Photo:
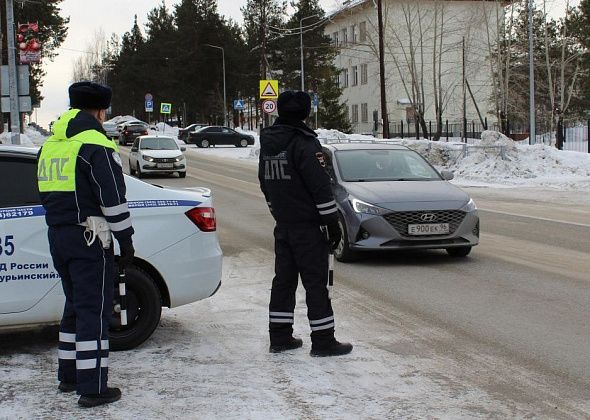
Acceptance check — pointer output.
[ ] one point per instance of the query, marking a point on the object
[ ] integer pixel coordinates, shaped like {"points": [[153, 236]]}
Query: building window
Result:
{"points": [[354, 118], [363, 32], [365, 113], [364, 74], [353, 34], [335, 38], [355, 75], [344, 83], [344, 36]]}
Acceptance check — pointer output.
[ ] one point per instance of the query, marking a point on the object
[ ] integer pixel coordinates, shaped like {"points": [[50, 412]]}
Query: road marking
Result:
{"points": [[545, 219]]}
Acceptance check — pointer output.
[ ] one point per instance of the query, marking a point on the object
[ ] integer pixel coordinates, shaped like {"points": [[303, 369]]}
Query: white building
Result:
{"points": [[420, 35]]}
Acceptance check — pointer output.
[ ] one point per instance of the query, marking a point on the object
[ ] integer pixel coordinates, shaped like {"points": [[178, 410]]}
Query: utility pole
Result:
{"points": [[12, 75], [464, 95], [384, 116], [532, 114]]}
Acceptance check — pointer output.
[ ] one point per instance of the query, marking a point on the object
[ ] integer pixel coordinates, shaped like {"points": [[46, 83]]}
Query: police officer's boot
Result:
{"points": [[66, 387], [332, 348], [290, 344], [109, 396]]}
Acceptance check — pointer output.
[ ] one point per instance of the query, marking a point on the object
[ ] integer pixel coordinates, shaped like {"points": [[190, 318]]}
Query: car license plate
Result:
{"points": [[429, 229], [165, 166]]}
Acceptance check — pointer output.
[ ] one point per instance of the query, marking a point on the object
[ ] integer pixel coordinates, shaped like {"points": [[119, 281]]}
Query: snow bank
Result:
{"points": [[31, 137], [496, 160]]}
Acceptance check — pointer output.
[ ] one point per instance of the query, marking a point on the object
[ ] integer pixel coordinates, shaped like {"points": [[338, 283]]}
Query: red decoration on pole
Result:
{"points": [[29, 46]]}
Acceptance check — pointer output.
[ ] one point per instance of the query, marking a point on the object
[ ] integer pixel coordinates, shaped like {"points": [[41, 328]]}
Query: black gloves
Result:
{"points": [[127, 253], [334, 235]]}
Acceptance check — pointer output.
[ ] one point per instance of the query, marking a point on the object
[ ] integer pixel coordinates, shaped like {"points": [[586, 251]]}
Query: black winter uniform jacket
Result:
{"points": [[100, 185], [292, 175]]}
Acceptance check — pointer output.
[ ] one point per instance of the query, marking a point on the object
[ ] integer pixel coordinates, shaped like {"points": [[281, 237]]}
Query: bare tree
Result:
{"points": [[93, 64]]}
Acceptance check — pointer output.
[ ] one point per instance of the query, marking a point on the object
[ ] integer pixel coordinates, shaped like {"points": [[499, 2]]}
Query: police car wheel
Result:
{"points": [[343, 253], [144, 308]]}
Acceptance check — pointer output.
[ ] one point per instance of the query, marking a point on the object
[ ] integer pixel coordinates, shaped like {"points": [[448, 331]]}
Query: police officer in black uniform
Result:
{"points": [[298, 192], [83, 192]]}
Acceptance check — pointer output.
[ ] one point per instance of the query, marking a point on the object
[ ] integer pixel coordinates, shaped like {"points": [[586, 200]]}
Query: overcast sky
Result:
{"points": [[116, 16]]}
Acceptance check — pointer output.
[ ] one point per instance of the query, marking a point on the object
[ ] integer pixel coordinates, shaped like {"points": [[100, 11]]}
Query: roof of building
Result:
{"points": [[349, 5]]}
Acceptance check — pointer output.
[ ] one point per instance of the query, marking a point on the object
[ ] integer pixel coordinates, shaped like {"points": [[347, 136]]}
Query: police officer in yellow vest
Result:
{"points": [[83, 192]]}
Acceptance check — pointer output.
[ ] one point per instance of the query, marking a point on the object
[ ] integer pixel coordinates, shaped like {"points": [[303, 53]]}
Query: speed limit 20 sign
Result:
{"points": [[269, 106]]}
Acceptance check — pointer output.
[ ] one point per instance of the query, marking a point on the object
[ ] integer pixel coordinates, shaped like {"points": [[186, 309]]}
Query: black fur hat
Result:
{"points": [[294, 105], [89, 95]]}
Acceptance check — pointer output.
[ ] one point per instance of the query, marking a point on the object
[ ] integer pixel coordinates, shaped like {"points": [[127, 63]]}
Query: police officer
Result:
{"points": [[81, 181], [298, 193]]}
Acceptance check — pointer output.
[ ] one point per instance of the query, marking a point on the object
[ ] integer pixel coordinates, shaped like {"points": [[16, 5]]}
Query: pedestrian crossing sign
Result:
{"points": [[165, 108], [269, 89]]}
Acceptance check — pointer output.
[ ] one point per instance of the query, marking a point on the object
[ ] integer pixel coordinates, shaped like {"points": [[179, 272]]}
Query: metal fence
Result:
{"points": [[576, 134], [403, 130], [575, 137]]}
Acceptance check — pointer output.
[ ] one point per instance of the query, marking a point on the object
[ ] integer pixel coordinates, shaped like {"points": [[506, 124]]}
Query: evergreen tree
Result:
{"points": [[128, 74], [318, 57], [261, 19]]}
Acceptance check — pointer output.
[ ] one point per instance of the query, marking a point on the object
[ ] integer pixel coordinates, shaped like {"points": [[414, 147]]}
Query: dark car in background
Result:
{"points": [[218, 135], [184, 132], [131, 130], [390, 198]]}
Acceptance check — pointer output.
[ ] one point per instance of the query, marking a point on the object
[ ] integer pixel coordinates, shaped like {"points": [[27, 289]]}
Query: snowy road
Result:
{"points": [[502, 334]]}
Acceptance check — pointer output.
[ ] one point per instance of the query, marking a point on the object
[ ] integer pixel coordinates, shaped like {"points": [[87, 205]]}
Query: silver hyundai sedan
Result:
{"points": [[390, 197]]}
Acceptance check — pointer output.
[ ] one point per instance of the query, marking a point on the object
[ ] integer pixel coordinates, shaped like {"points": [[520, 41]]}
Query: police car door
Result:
{"points": [[26, 270]]}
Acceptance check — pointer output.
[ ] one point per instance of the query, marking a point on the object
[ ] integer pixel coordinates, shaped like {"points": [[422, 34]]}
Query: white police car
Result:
{"points": [[177, 261]]}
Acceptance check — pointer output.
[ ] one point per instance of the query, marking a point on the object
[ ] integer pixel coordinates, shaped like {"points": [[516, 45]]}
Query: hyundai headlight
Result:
{"points": [[179, 158], [148, 158], [362, 207], [470, 206]]}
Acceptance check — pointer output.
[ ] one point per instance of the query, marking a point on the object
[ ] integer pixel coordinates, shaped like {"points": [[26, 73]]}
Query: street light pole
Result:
{"points": [[301, 42], [224, 87]]}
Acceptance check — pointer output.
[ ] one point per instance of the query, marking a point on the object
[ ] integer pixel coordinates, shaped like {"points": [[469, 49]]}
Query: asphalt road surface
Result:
{"points": [[516, 309]]}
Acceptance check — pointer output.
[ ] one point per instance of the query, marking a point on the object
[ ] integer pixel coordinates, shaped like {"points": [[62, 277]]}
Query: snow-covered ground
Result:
{"points": [[31, 137], [210, 360]]}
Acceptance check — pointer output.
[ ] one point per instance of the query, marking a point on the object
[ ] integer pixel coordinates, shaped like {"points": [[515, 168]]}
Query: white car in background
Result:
{"points": [[111, 130], [177, 260], [156, 154]]}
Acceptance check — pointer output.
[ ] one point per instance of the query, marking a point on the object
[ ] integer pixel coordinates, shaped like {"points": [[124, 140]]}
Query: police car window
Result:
{"points": [[18, 182]]}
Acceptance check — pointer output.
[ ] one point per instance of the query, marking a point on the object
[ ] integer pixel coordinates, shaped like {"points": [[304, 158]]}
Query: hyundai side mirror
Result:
{"points": [[183, 149], [134, 149], [447, 175]]}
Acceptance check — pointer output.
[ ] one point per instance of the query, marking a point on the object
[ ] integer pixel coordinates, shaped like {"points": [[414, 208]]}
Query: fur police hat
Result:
{"points": [[294, 105], [89, 95]]}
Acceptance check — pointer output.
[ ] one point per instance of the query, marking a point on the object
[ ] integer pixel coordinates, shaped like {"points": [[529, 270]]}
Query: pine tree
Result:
{"points": [[318, 57], [127, 78]]}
